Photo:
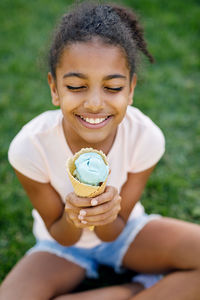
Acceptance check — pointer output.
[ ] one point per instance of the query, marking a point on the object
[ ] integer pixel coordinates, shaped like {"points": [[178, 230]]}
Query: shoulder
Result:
{"points": [[136, 118], [38, 127], [25, 153], [145, 142], [141, 126], [44, 122]]}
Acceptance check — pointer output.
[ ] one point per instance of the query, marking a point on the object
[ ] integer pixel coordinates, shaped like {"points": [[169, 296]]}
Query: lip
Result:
{"points": [[94, 126], [93, 116]]}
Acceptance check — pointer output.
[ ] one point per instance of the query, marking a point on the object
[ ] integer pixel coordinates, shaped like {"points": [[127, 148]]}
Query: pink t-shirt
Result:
{"points": [[40, 151]]}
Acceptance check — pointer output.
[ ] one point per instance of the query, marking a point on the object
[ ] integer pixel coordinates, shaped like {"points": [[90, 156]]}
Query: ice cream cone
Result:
{"points": [[82, 189]]}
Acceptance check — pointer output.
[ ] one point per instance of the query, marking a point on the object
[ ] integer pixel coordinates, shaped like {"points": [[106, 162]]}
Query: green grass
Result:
{"points": [[167, 91]]}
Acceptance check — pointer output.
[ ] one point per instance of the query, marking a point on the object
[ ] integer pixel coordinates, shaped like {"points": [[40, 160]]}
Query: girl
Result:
{"points": [[92, 78]]}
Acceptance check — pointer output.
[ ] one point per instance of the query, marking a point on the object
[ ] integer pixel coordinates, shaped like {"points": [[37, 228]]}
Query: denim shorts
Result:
{"points": [[107, 253]]}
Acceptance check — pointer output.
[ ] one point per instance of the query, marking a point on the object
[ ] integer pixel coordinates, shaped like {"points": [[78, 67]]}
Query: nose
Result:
{"points": [[94, 101]]}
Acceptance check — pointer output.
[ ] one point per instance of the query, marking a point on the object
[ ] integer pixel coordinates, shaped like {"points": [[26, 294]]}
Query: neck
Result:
{"points": [[75, 143]]}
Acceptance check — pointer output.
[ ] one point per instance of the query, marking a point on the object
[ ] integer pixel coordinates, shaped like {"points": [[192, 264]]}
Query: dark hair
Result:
{"points": [[113, 24]]}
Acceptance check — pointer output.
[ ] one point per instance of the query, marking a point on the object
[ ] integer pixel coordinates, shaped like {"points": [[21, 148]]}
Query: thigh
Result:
{"points": [[41, 275], [163, 245]]}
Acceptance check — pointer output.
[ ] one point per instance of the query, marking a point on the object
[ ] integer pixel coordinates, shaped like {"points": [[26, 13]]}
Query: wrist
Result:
{"points": [[64, 231], [70, 223], [111, 231]]}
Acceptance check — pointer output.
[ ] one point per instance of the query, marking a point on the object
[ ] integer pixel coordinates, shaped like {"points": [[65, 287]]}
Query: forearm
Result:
{"points": [[111, 231], [64, 231]]}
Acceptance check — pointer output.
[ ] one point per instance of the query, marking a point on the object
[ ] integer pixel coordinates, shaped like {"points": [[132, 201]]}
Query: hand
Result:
{"points": [[101, 210]]}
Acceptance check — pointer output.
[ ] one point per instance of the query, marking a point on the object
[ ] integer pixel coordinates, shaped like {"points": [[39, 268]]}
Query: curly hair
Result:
{"points": [[113, 24]]}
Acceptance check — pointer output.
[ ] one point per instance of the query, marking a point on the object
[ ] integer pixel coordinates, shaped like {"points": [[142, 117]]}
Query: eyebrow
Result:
{"points": [[82, 76], [109, 77], [74, 74]]}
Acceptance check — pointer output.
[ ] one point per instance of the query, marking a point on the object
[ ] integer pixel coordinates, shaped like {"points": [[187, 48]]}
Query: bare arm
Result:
{"points": [[47, 202], [111, 211], [130, 194], [132, 190]]}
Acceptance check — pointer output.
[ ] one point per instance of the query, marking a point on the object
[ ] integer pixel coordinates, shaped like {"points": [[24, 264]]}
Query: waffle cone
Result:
{"points": [[82, 189]]}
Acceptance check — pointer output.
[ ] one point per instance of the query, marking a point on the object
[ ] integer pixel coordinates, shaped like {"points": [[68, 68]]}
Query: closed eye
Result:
{"points": [[75, 88], [114, 89]]}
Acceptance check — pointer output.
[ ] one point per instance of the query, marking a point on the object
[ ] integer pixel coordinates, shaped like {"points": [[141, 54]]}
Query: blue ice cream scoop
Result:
{"points": [[91, 168]]}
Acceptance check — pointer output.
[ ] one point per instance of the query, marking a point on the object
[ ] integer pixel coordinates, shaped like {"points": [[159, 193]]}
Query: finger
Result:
{"points": [[82, 224], [102, 222], [102, 217], [76, 222], [106, 196], [73, 216], [70, 208], [100, 209], [79, 201]]}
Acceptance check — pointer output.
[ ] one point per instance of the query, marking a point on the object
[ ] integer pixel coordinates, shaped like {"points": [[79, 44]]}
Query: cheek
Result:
{"points": [[121, 107], [120, 103], [70, 103]]}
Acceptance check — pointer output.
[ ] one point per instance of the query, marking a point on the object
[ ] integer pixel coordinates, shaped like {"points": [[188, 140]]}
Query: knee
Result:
{"points": [[196, 277], [9, 291], [9, 295]]}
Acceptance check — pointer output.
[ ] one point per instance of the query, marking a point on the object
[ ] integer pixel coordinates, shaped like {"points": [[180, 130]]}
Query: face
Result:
{"points": [[93, 89]]}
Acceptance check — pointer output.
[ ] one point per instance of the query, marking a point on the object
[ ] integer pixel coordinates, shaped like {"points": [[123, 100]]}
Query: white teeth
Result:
{"points": [[93, 121]]}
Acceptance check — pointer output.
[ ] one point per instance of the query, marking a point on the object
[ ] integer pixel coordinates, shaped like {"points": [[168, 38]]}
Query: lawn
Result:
{"points": [[167, 91]]}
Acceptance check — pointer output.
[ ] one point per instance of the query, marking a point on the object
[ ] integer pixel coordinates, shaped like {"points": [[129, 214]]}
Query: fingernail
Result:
{"points": [[94, 202], [84, 222], [82, 212], [80, 217]]}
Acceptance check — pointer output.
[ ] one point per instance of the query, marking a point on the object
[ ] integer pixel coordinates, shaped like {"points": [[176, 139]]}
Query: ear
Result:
{"points": [[53, 88], [132, 88]]}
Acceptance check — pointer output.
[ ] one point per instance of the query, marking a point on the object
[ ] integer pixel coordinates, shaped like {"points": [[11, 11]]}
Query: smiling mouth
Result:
{"points": [[94, 122]]}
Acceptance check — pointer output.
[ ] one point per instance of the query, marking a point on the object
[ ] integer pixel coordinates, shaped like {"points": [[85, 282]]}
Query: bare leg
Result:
{"points": [[121, 292], [176, 286], [168, 245], [41, 276]]}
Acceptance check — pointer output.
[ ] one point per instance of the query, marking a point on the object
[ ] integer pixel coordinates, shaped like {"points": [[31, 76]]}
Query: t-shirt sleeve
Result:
{"points": [[149, 149], [25, 156]]}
